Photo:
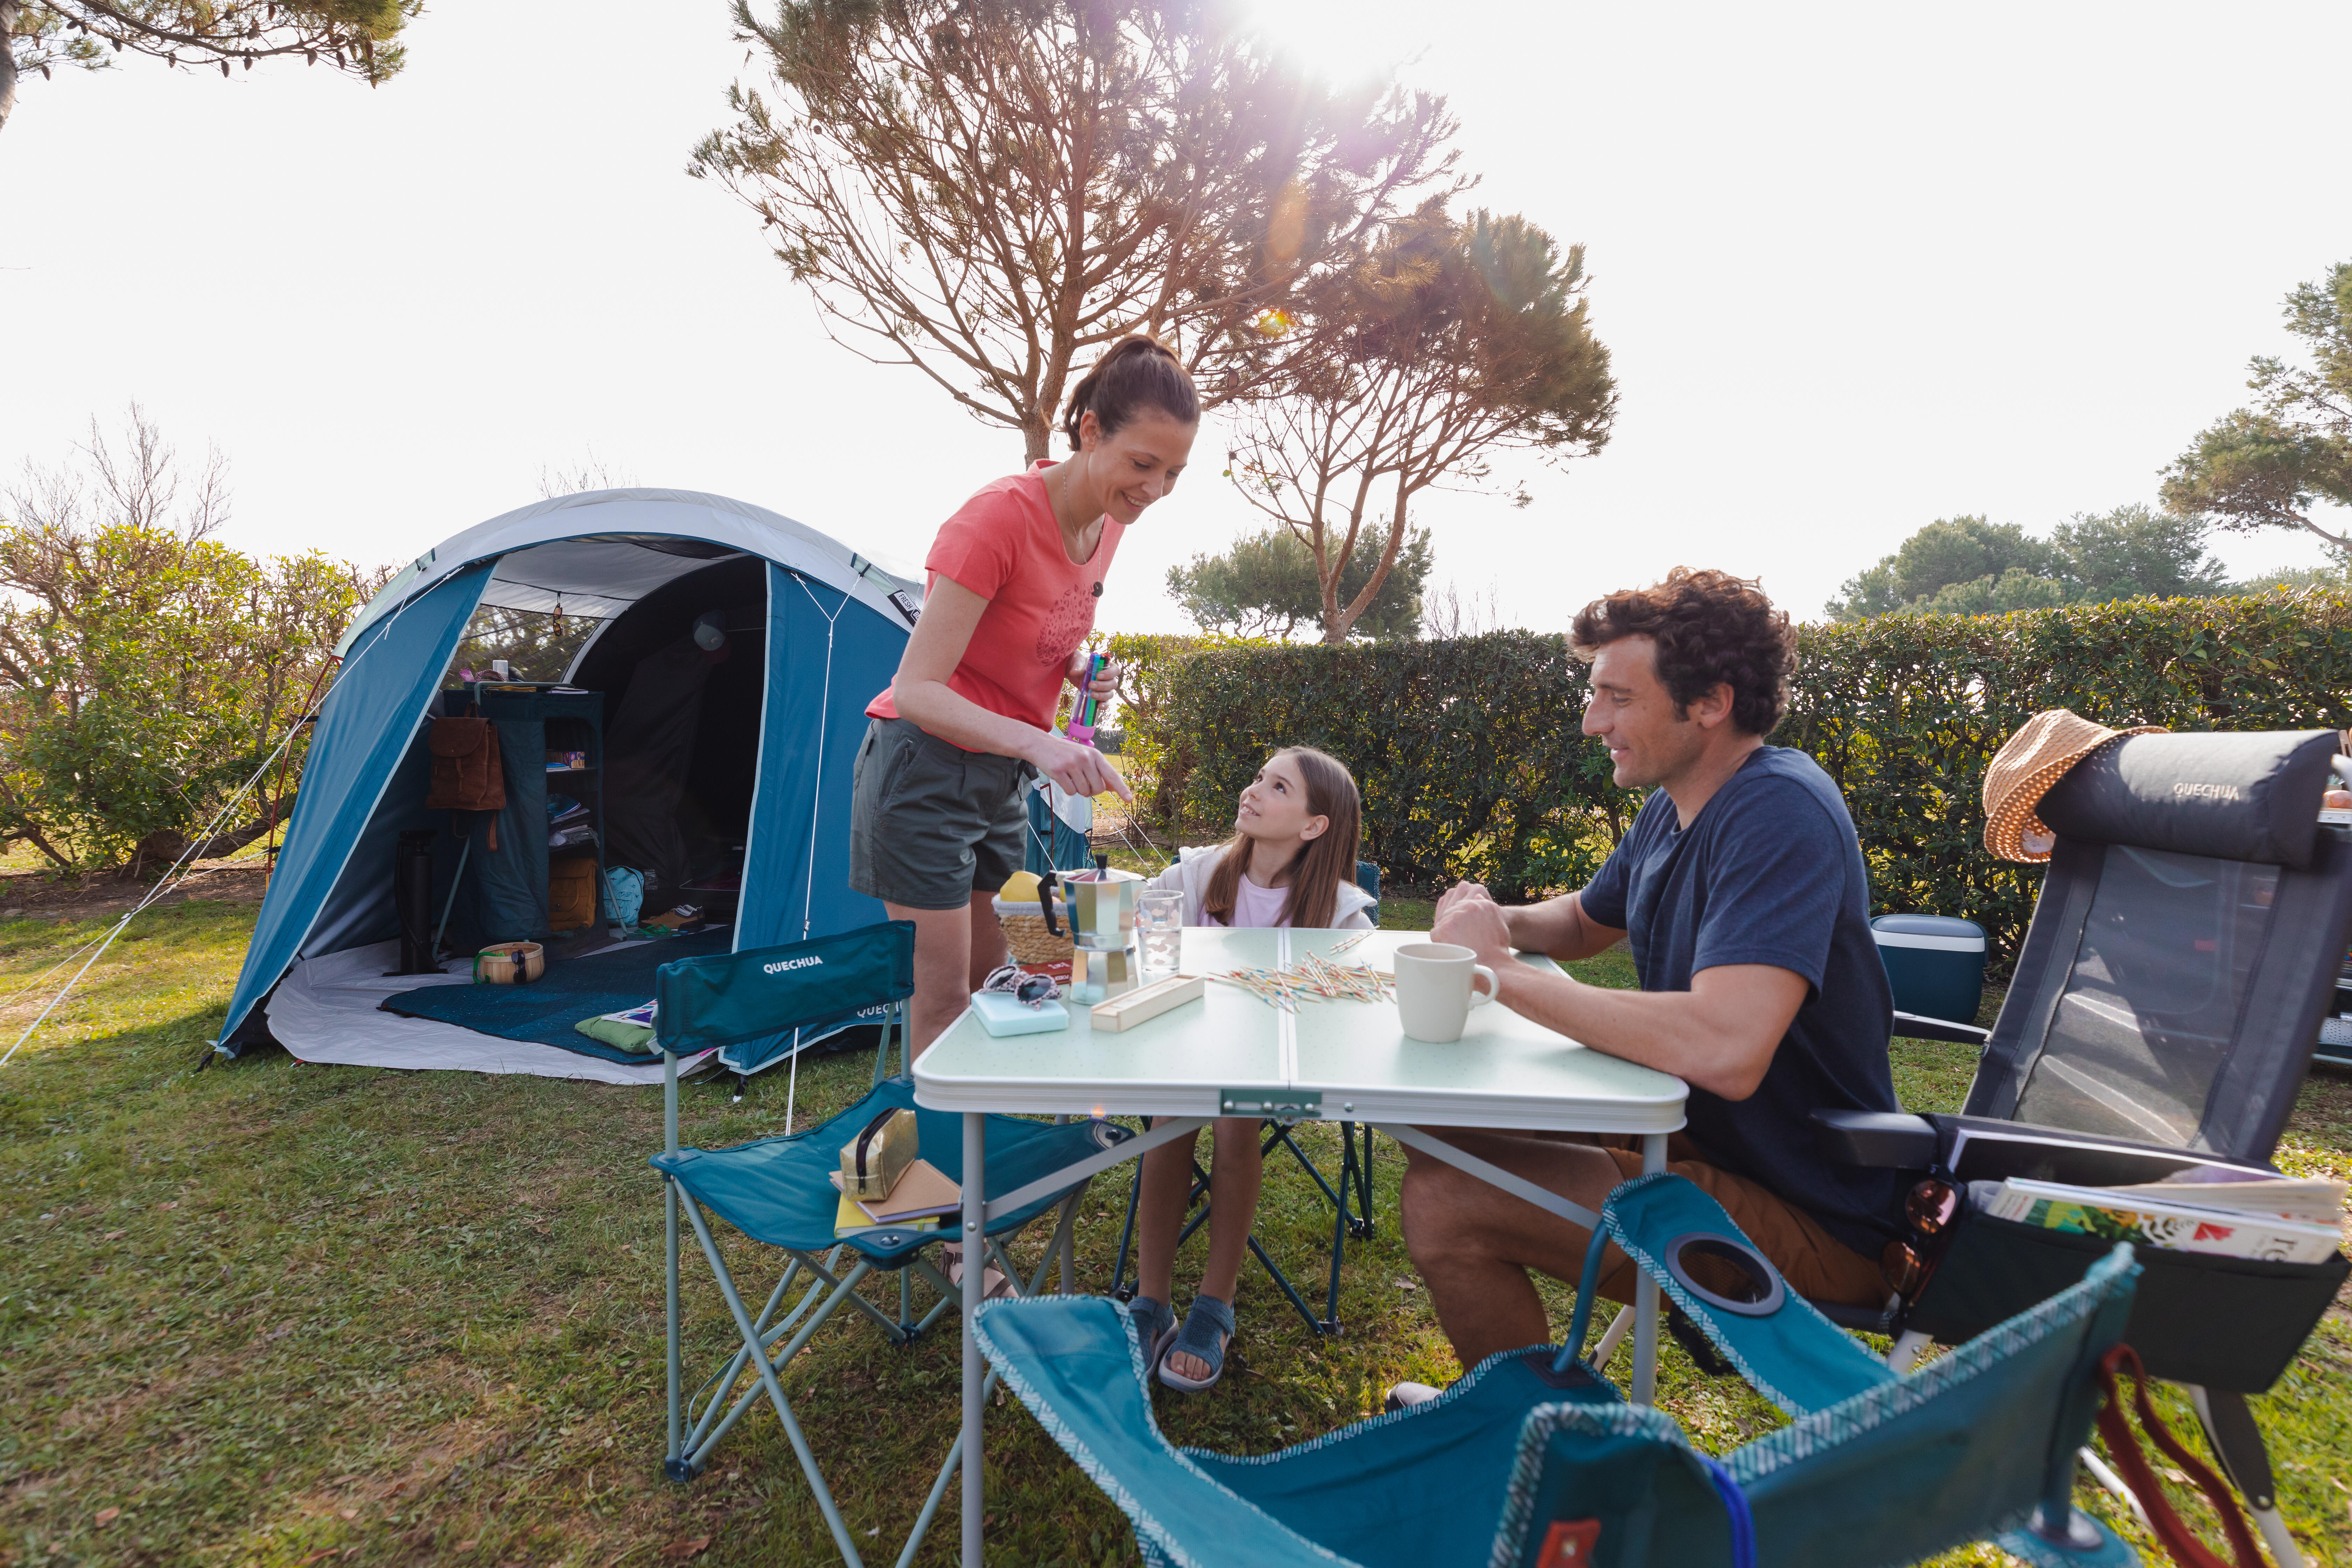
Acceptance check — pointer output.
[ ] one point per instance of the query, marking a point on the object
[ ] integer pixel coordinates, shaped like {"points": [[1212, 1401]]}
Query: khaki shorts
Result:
{"points": [[930, 822], [1815, 1263]]}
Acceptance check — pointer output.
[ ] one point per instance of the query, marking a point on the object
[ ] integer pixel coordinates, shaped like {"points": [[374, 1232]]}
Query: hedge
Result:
{"points": [[1473, 764], [1468, 750]]}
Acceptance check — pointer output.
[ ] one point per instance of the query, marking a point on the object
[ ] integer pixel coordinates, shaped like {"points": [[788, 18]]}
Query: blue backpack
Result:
{"points": [[624, 896]]}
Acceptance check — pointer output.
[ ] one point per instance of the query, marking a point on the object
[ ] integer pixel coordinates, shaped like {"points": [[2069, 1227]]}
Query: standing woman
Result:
{"points": [[938, 815]]}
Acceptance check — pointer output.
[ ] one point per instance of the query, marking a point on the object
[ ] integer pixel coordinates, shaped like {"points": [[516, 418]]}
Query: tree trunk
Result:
{"points": [[8, 11], [1335, 626], [161, 849], [32, 836], [230, 843], [2341, 542]]}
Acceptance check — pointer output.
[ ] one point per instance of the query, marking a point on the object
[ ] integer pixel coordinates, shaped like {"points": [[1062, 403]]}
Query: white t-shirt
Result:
{"points": [[1257, 907], [1254, 905]]}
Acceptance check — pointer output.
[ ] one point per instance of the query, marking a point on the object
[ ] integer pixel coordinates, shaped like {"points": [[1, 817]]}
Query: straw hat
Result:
{"points": [[2022, 770]]}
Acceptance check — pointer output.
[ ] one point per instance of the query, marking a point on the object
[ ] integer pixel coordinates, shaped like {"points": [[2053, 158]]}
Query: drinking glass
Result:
{"points": [[1159, 925]]}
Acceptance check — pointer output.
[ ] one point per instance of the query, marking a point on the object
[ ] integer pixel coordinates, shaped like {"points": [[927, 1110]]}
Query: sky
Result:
{"points": [[1859, 268]]}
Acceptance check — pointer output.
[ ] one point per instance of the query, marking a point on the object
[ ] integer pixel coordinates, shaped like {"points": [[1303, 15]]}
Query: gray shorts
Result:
{"points": [[932, 824]]}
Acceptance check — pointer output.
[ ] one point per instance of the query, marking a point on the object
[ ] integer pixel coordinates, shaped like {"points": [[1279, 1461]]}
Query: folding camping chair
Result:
{"points": [[1532, 1461], [2184, 947], [1350, 1198], [778, 1191]]}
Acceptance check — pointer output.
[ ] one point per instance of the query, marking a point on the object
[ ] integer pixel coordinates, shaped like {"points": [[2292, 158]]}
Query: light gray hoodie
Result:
{"points": [[1190, 877]]}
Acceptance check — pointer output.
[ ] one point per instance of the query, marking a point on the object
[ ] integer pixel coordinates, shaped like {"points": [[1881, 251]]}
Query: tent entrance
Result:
{"points": [[684, 672], [661, 696], [628, 743]]}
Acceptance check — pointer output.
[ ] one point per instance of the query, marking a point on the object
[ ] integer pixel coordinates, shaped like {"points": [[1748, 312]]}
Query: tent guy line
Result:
{"points": [[170, 879]]}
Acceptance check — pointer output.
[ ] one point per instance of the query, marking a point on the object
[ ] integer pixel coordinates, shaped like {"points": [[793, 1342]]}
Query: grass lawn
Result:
{"points": [[280, 1314]]}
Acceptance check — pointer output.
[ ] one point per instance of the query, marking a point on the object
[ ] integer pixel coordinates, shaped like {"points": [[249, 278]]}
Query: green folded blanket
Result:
{"points": [[628, 1030]]}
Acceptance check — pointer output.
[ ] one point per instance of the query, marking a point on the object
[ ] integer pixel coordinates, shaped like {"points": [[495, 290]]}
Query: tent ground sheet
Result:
{"points": [[327, 1011], [545, 1010]]}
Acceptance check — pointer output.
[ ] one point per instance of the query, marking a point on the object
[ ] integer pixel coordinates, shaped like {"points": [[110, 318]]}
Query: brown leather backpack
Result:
{"points": [[466, 772]]}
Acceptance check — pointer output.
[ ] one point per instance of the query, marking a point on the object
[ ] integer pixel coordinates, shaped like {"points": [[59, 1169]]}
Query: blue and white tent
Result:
{"points": [[637, 561]]}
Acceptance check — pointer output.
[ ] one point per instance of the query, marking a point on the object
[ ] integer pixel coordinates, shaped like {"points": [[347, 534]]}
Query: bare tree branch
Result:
{"points": [[985, 193]]}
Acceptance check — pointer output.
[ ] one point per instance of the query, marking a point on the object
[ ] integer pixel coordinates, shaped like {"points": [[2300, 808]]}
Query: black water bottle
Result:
{"points": [[412, 901]]}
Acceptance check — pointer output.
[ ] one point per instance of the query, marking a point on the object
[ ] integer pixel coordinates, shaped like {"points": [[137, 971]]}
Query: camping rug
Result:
{"points": [[545, 1010]]}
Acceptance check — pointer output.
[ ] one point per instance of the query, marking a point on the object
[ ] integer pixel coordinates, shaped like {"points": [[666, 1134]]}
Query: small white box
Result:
{"points": [[1123, 1012]]}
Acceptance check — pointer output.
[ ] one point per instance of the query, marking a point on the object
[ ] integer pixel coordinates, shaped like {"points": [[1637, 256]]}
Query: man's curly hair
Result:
{"points": [[1711, 629]]}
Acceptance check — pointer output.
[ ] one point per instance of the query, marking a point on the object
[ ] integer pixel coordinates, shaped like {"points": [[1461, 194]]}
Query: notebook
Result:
{"points": [[849, 1219]]}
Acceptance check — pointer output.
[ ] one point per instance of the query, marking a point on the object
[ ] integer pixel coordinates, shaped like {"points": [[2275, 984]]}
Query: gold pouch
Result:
{"points": [[872, 1163]]}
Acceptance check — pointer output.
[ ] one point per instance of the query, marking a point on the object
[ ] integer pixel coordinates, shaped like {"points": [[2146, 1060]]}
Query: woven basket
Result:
{"points": [[509, 963], [1026, 935]]}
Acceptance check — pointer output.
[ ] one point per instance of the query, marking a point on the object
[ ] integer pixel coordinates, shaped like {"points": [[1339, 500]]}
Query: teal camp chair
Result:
{"points": [[1532, 1461], [779, 1191]]}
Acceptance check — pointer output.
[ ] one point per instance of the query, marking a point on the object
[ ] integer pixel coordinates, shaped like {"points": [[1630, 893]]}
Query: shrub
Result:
{"points": [[143, 676], [1473, 764], [1907, 712], [1155, 768], [1468, 750]]}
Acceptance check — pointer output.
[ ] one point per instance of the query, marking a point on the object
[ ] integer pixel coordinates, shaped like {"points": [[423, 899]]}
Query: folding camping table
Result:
{"points": [[1234, 1055]]}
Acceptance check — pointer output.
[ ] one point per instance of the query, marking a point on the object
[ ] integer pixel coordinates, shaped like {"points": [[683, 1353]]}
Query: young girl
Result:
{"points": [[1291, 862]]}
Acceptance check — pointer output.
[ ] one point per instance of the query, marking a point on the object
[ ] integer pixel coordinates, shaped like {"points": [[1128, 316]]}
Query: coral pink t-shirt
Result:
{"points": [[1004, 545]]}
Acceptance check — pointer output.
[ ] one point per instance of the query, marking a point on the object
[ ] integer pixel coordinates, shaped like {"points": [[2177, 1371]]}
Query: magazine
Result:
{"points": [[2180, 1227]]}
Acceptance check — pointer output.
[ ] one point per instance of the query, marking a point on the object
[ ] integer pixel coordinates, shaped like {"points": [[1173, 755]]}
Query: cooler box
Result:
{"points": [[1934, 963]]}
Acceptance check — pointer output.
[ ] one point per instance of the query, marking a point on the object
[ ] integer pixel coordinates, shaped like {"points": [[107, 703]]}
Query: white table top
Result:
{"points": [[1504, 1072]]}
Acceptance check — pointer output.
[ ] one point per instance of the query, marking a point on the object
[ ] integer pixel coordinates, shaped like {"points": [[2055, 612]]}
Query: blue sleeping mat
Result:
{"points": [[545, 1010]]}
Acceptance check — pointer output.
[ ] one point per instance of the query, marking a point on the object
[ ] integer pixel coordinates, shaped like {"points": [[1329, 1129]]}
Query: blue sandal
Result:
{"points": [[1208, 1329], [1155, 1325]]}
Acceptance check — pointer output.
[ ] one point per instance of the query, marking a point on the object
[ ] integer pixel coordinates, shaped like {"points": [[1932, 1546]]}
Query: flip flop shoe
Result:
{"points": [[993, 1285], [1208, 1330]]}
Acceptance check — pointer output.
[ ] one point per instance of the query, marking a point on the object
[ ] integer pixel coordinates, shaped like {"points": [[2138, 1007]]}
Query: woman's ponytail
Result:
{"points": [[1137, 374]]}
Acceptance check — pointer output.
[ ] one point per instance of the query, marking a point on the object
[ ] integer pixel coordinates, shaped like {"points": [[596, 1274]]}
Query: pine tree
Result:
{"points": [[358, 38], [991, 194]]}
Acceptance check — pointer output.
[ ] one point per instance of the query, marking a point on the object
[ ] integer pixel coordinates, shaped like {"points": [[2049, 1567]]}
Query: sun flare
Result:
{"points": [[1344, 43]]}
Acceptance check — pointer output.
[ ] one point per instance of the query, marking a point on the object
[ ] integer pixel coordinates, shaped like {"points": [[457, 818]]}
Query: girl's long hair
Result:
{"points": [[1321, 864]]}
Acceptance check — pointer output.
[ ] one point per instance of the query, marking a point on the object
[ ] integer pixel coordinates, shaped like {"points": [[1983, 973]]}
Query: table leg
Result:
{"points": [[975, 1268], [1645, 1294]]}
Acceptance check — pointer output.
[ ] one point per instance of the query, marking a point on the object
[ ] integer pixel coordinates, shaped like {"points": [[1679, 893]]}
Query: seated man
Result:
{"points": [[1742, 887]]}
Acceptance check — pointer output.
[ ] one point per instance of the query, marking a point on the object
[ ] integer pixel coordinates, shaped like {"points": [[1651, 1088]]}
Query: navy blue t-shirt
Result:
{"points": [[1771, 872]]}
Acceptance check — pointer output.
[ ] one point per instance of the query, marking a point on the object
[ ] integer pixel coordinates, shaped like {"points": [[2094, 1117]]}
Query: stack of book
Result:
{"points": [[918, 1200], [2281, 1219], [567, 822]]}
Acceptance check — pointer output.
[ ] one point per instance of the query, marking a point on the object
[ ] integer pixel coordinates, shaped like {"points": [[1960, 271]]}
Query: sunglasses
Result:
{"points": [[1037, 990], [1928, 1210]]}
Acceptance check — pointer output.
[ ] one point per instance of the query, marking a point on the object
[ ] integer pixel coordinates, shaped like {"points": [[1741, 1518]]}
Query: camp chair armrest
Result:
{"points": [[1876, 1138], [1919, 1027]]}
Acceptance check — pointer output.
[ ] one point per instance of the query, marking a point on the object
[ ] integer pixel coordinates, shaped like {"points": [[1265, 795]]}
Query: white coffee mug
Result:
{"points": [[1436, 986]]}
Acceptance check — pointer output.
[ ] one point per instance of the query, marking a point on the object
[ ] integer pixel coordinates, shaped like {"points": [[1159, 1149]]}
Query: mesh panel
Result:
{"points": [[2144, 1028]]}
